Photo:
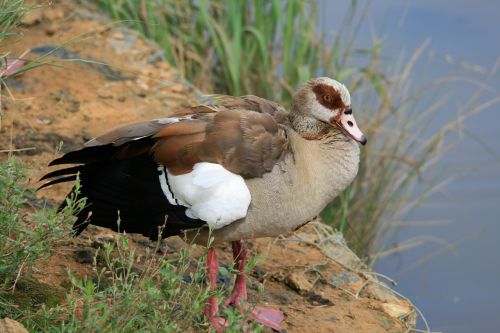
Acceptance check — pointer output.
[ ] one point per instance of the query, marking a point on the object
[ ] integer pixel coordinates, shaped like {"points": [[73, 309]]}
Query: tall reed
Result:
{"points": [[238, 47]]}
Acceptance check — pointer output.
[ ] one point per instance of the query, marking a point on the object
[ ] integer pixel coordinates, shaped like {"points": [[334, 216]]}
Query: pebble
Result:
{"points": [[33, 17], [84, 256], [298, 282], [54, 13], [8, 325], [51, 29]]}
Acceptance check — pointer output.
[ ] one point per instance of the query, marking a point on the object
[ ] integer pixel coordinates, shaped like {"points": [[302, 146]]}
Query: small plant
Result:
{"points": [[133, 293], [126, 292], [25, 239]]}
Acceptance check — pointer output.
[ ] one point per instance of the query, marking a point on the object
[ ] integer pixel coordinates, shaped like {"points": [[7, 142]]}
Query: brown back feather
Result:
{"points": [[246, 135]]}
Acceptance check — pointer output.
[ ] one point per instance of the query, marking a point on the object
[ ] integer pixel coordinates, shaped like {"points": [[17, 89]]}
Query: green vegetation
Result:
{"points": [[126, 297], [23, 244], [126, 292], [11, 14], [237, 47]]}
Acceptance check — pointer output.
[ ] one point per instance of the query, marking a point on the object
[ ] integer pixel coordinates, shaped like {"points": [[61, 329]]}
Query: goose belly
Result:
{"points": [[277, 207]]}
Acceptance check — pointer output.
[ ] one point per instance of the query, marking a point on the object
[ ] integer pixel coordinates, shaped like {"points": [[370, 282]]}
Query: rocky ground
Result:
{"points": [[311, 275]]}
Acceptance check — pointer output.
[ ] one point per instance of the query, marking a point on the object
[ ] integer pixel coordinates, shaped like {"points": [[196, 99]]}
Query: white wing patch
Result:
{"points": [[211, 193]]}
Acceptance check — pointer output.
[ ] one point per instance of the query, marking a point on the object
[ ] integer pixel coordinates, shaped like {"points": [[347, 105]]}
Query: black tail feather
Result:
{"points": [[63, 172], [58, 181], [128, 189]]}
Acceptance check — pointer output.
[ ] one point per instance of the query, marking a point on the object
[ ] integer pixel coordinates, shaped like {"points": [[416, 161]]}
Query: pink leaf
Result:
{"points": [[11, 66]]}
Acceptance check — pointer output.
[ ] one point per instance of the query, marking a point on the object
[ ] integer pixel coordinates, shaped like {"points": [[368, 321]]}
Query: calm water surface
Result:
{"points": [[454, 277]]}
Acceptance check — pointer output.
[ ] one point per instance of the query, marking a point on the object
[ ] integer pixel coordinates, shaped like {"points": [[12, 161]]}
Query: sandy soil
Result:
{"points": [[311, 276]]}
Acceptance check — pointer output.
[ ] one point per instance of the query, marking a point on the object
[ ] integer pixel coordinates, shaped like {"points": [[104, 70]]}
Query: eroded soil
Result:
{"points": [[310, 276]]}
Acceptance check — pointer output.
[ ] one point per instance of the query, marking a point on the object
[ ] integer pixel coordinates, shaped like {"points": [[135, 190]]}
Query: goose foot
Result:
{"points": [[267, 317]]}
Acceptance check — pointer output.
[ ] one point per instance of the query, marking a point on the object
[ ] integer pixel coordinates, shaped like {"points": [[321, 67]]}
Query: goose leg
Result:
{"points": [[267, 317], [212, 309]]}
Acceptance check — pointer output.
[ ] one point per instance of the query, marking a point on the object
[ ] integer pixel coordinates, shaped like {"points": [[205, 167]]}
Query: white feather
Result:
{"points": [[207, 175], [212, 194]]}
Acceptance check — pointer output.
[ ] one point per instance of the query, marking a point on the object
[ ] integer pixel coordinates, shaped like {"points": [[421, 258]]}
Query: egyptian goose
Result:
{"points": [[242, 165]]}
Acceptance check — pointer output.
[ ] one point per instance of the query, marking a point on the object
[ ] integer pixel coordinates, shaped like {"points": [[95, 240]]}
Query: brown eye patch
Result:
{"points": [[328, 96]]}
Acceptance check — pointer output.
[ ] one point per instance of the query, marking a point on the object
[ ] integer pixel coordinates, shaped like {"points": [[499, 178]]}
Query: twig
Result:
{"points": [[392, 281], [19, 273], [16, 150]]}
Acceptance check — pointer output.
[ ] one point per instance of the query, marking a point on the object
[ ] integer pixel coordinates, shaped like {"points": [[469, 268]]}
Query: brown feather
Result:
{"points": [[133, 149], [199, 109], [166, 151], [327, 96], [182, 128], [244, 134]]}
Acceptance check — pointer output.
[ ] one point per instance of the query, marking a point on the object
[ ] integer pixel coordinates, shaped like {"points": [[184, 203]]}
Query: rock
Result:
{"points": [[8, 325], [51, 29], [259, 273], [84, 256], [105, 94], [172, 245], [317, 300], [118, 35], [380, 293], [298, 282], [345, 280], [32, 17], [101, 240], [397, 310], [146, 243], [54, 13]]}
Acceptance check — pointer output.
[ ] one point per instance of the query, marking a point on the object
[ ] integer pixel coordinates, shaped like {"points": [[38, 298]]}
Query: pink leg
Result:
{"points": [[212, 308], [239, 294], [268, 317]]}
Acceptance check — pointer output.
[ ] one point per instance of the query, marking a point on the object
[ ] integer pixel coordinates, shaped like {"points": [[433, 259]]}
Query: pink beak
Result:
{"points": [[347, 124]]}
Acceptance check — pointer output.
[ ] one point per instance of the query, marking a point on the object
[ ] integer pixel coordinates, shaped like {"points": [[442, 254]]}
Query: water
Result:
{"points": [[454, 277]]}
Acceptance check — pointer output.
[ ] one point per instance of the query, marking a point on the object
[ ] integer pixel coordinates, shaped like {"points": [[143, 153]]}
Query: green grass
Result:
{"points": [[122, 296], [11, 14], [26, 237], [237, 47], [22, 244]]}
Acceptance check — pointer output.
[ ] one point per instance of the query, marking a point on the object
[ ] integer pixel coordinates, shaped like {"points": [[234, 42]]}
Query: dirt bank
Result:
{"points": [[311, 275]]}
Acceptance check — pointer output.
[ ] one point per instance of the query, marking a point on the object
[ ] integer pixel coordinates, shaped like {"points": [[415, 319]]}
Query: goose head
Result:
{"points": [[322, 104]]}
